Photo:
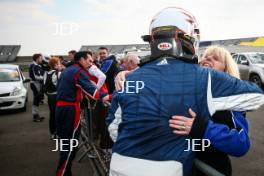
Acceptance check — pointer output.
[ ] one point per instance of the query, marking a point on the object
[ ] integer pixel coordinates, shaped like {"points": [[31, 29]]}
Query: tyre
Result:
{"points": [[256, 79]]}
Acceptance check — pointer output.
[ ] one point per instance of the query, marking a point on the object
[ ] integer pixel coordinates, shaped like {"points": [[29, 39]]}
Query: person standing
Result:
{"points": [[50, 88], [36, 74], [108, 67], [228, 131], [71, 56], [130, 62], [72, 82]]}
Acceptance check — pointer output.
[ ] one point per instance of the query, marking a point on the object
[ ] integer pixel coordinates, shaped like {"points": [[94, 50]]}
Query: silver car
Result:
{"points": [[251, 66]]}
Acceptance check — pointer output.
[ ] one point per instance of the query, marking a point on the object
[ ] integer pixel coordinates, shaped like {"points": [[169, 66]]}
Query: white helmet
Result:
{"points": [[177, 24]]}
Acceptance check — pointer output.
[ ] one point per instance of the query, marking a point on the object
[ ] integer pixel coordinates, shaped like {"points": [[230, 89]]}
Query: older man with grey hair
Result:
{"points": [[130, 62]]}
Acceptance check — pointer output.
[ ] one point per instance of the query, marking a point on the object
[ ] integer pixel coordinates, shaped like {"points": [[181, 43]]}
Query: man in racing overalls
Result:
{"points": [[72, 82], [170, 83]]}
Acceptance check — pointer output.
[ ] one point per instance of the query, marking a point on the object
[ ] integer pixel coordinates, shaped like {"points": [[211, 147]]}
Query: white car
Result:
{"points": [[13, 88]]}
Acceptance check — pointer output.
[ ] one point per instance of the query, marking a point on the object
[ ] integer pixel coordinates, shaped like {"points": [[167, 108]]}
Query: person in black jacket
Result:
{"points": [[226, 130], [50, 88], [108, 65], [36, 74]]}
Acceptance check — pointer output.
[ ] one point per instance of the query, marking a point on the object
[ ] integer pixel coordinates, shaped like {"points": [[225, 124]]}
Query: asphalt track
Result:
{"points": [[25, 147]]}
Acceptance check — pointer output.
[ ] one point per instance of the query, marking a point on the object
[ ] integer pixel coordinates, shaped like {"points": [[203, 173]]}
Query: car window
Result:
{"points": [[238, 60], [241, 58], [257, 58], [235, 57], [9, 75]]}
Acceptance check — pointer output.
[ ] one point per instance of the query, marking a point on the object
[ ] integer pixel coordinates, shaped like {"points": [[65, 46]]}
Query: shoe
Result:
{"points": [[37, 118], [41, 118]]}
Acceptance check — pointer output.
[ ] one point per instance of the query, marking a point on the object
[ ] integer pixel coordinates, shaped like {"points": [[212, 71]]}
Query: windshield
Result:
{"points": [[257, 58], [9, 75]]}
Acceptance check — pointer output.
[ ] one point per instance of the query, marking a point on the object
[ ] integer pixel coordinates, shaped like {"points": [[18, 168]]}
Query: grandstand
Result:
{"points": [[8, 53], [228, 42], [253, 44], [116, 49]]}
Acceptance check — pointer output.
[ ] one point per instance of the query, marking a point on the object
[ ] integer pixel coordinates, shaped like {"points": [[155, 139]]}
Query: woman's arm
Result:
{"points": [[233, 141]]}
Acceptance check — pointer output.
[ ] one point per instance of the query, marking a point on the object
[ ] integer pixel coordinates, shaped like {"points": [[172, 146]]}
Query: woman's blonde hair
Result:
{"points": [[53, 61], [223, 55]]}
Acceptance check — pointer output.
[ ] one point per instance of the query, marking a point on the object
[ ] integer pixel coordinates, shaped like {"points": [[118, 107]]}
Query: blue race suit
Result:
{"points": [[69, 95], [172, 87]]}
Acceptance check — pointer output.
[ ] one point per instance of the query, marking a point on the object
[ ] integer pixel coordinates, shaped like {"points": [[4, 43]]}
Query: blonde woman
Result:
{"points": [[226, 130], [221, 60]]}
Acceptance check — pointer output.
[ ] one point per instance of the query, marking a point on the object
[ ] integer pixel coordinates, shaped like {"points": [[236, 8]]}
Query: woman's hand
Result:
{"points": [[120, 79], [182, 125]]}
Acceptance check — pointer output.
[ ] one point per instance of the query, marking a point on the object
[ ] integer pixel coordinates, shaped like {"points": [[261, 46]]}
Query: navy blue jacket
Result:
{"points": [[36, 72], [110, 69]]}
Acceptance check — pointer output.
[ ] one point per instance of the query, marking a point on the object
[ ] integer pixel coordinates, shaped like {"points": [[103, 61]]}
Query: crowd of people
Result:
{"points": [[94, 72], [181, 100]]}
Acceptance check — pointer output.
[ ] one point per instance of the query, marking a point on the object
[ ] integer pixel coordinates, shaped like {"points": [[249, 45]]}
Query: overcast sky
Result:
{"points": [[57, 26]]}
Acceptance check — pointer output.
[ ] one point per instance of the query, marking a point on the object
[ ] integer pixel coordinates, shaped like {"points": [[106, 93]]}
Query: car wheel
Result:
{"points": [[256, 79]]}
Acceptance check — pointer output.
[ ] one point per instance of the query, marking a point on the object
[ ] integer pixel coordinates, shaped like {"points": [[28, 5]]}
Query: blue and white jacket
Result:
{"points": [[36, 72], [110, 69], [171, 87]]}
